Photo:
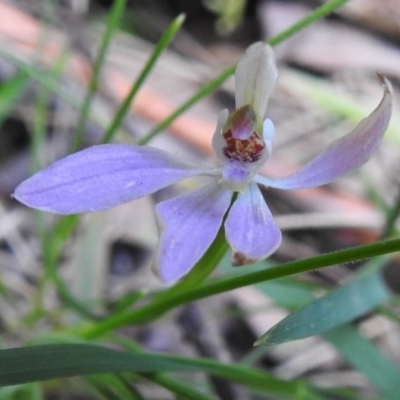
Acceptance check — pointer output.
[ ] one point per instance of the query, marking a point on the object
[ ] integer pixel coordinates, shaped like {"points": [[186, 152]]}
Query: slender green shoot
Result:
{"points": [[158, 307], [162, 44], [112, 25], [10, 91], [214, 84]]}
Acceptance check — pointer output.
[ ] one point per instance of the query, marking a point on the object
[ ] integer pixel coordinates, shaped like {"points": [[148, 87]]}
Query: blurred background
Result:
{"points": [[327, 84]]}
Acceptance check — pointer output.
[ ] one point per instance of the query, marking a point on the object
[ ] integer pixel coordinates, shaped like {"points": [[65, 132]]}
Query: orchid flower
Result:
{"points": [[107, 175]]}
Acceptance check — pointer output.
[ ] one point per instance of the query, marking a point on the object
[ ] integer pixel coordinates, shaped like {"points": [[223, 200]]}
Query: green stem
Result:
{"points": [[112, 23], [165, 40], [319, 13], [160, 306], [204, 91]]}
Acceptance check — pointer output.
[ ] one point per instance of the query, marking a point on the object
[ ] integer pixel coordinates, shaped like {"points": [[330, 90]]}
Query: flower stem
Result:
{"points": [[163, 304]]}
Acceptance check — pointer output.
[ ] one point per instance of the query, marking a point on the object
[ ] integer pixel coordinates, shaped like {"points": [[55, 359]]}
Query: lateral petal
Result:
{"points": [[345, 154], [191, 223], [256, 75], [102, 177], [250, 228]]}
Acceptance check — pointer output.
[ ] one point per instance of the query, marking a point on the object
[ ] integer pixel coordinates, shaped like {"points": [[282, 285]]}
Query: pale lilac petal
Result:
{"points": [[269, 134], [191, 223], [255, 78], [345, 154], [236, 175], [250, 228], [101, 177]]}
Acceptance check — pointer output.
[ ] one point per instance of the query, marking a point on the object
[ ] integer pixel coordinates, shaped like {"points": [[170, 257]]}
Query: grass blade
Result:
{"points": [[328, 312], [364, 356], [39, 363], [162, 44], [214, 84], [112, 24]]}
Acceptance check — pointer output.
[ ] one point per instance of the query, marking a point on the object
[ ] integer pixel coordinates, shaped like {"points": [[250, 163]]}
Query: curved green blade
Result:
{"points": [[335, 309], [38, 363], [35, 363], [383, 373]]}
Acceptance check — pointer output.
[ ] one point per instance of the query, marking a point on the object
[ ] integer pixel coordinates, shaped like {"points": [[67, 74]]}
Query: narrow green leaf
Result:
{"points": [[364, 356], [39, 363], [165, 380], [200, 94], [346, 339], [179, 387], [31, 391], [10, 91], [114, 386], [58, 361], [288, 293], [162, 44], [337, 308], [116, 12], [318, 13]]}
